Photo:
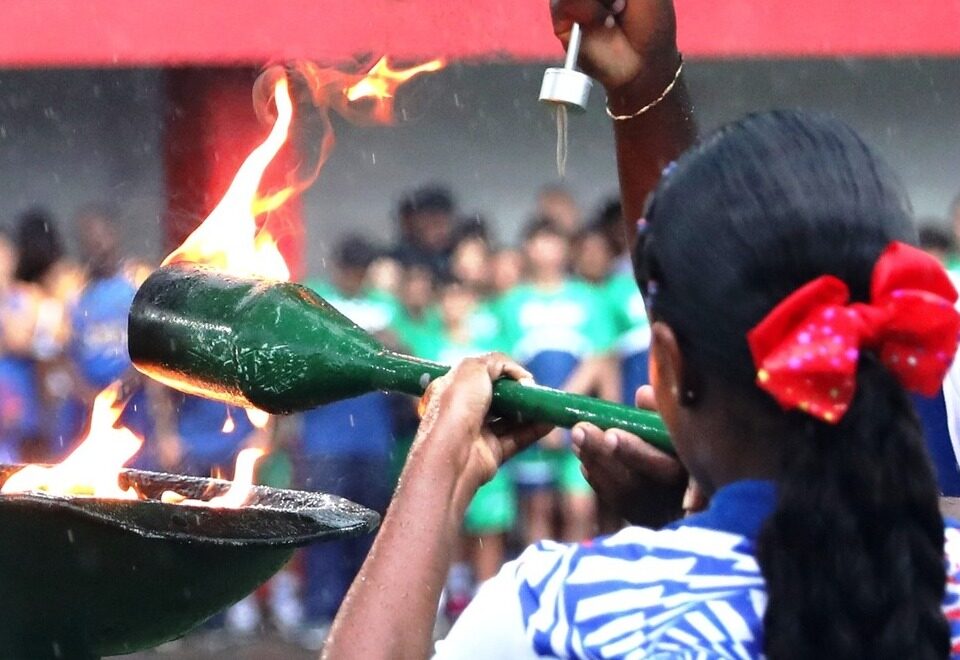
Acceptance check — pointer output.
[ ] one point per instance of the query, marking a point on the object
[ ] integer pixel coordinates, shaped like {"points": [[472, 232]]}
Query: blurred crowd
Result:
{"points": [[562, 301]]}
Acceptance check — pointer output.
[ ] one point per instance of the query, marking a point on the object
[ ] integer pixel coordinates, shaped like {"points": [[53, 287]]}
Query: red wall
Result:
{"points": [[171, 32]]}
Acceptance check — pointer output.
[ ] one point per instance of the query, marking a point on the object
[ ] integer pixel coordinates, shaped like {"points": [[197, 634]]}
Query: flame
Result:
{"points": [[93, 468], [228, 424], [381, 82], [258, 418], [229, 239], [239, 492]]}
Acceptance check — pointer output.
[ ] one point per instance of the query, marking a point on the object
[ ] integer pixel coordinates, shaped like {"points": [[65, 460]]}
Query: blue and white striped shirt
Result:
{"points": [[690, 591]]}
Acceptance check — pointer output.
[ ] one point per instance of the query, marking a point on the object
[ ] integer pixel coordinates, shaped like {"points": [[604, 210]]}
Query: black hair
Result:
{"points": [[541, 225], [608, 219], [448, 280], [433, 198], [355, 251], [593, 229], [38, 244], [852, 555], [610, 214], [933, 236], [469, 227]]}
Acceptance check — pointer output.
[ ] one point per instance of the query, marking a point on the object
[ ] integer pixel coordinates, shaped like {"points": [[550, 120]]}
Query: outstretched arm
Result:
{"points": [[390, 609], [630, 47]]}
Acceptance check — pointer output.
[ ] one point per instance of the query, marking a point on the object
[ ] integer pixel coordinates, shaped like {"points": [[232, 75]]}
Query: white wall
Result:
{"points": [[481, 130], [71, 137]]}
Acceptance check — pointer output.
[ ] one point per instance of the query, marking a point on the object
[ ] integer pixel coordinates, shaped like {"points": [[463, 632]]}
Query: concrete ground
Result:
{"points": [[205, 647]]}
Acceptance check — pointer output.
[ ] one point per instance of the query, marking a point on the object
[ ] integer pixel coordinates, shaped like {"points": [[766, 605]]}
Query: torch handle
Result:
{"points": [[533, 403], [543, 404], [573, 47]]}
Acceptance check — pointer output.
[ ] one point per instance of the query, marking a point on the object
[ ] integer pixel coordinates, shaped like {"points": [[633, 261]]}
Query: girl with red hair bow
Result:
{"points": [[790, 321]]}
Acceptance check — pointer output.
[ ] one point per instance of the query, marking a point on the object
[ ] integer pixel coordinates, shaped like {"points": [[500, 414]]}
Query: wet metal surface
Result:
{"points": [[279, 347], [83, 577]]}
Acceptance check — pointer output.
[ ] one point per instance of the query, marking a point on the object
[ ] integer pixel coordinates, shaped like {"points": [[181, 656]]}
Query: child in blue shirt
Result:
{"points": [[98, 331], [346, 446]]}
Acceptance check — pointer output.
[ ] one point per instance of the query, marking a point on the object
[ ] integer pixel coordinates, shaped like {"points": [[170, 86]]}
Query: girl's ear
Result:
{"points": [[666, 371], [667, 364]]}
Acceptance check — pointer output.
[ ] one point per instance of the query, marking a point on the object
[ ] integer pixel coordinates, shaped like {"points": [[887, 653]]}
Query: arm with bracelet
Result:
{"points": [[630, 48]]}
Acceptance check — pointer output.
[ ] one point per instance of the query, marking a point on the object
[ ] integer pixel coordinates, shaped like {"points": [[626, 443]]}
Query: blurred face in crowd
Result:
{"points": [[138, 270], [8, 261], [613, 229], [506, 268], [470, 263], [384, 274], [457, 301], [99, 244], [547, 255], [350, 279], [416, 290], [560, 208], [431, 229], [593, 258]]}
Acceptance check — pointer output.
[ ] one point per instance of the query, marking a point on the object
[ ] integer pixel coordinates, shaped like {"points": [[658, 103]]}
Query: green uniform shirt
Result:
{"points": [[572, 319], [438, 345], [493, 509], [629, 314], [372, 310], [413, 333]]}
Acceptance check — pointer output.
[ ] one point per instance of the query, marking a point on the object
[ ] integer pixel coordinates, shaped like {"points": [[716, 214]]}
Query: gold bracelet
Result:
{"points": [[652, 104]]}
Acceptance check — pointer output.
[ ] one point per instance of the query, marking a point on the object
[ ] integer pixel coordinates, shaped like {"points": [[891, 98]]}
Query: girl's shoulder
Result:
{"points": [[682, 590]]}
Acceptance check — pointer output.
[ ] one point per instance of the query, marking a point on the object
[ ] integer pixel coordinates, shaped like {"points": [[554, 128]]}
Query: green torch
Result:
{"points": [[279, 347]]}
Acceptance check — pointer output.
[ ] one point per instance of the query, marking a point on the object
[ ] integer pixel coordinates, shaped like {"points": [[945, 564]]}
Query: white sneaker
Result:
{"points": [[284, 603], [244, 617], [312, 638]]}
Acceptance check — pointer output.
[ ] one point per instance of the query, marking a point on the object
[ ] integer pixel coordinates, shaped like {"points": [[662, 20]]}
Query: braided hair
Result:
{"points": [[852, 555]]}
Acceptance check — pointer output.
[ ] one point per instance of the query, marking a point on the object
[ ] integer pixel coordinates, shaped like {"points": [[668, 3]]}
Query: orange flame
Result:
{"points": [[228, 423], [93, 468], [381, 82], [229, 239], [258, 418], [239, 492]]}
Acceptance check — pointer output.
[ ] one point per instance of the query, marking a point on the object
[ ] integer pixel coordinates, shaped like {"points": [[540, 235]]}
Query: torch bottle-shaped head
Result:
{"points": [[251, 343]]}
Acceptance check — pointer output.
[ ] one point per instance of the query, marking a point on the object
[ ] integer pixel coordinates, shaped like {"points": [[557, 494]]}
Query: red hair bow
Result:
{"points": [[806, 349]]}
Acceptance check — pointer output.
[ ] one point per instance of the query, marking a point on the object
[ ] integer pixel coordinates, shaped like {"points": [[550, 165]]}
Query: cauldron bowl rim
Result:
{"points": [[276, 517]]}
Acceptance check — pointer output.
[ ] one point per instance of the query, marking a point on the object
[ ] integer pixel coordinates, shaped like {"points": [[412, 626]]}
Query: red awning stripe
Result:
{"points": [[177, 32]]}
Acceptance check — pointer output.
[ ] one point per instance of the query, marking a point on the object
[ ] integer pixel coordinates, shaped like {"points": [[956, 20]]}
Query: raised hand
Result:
{"points": [[626, 43]]}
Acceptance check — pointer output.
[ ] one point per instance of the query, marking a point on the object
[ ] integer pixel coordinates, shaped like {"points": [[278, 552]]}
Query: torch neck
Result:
{"points": [[573, 47], [401, 373]]}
